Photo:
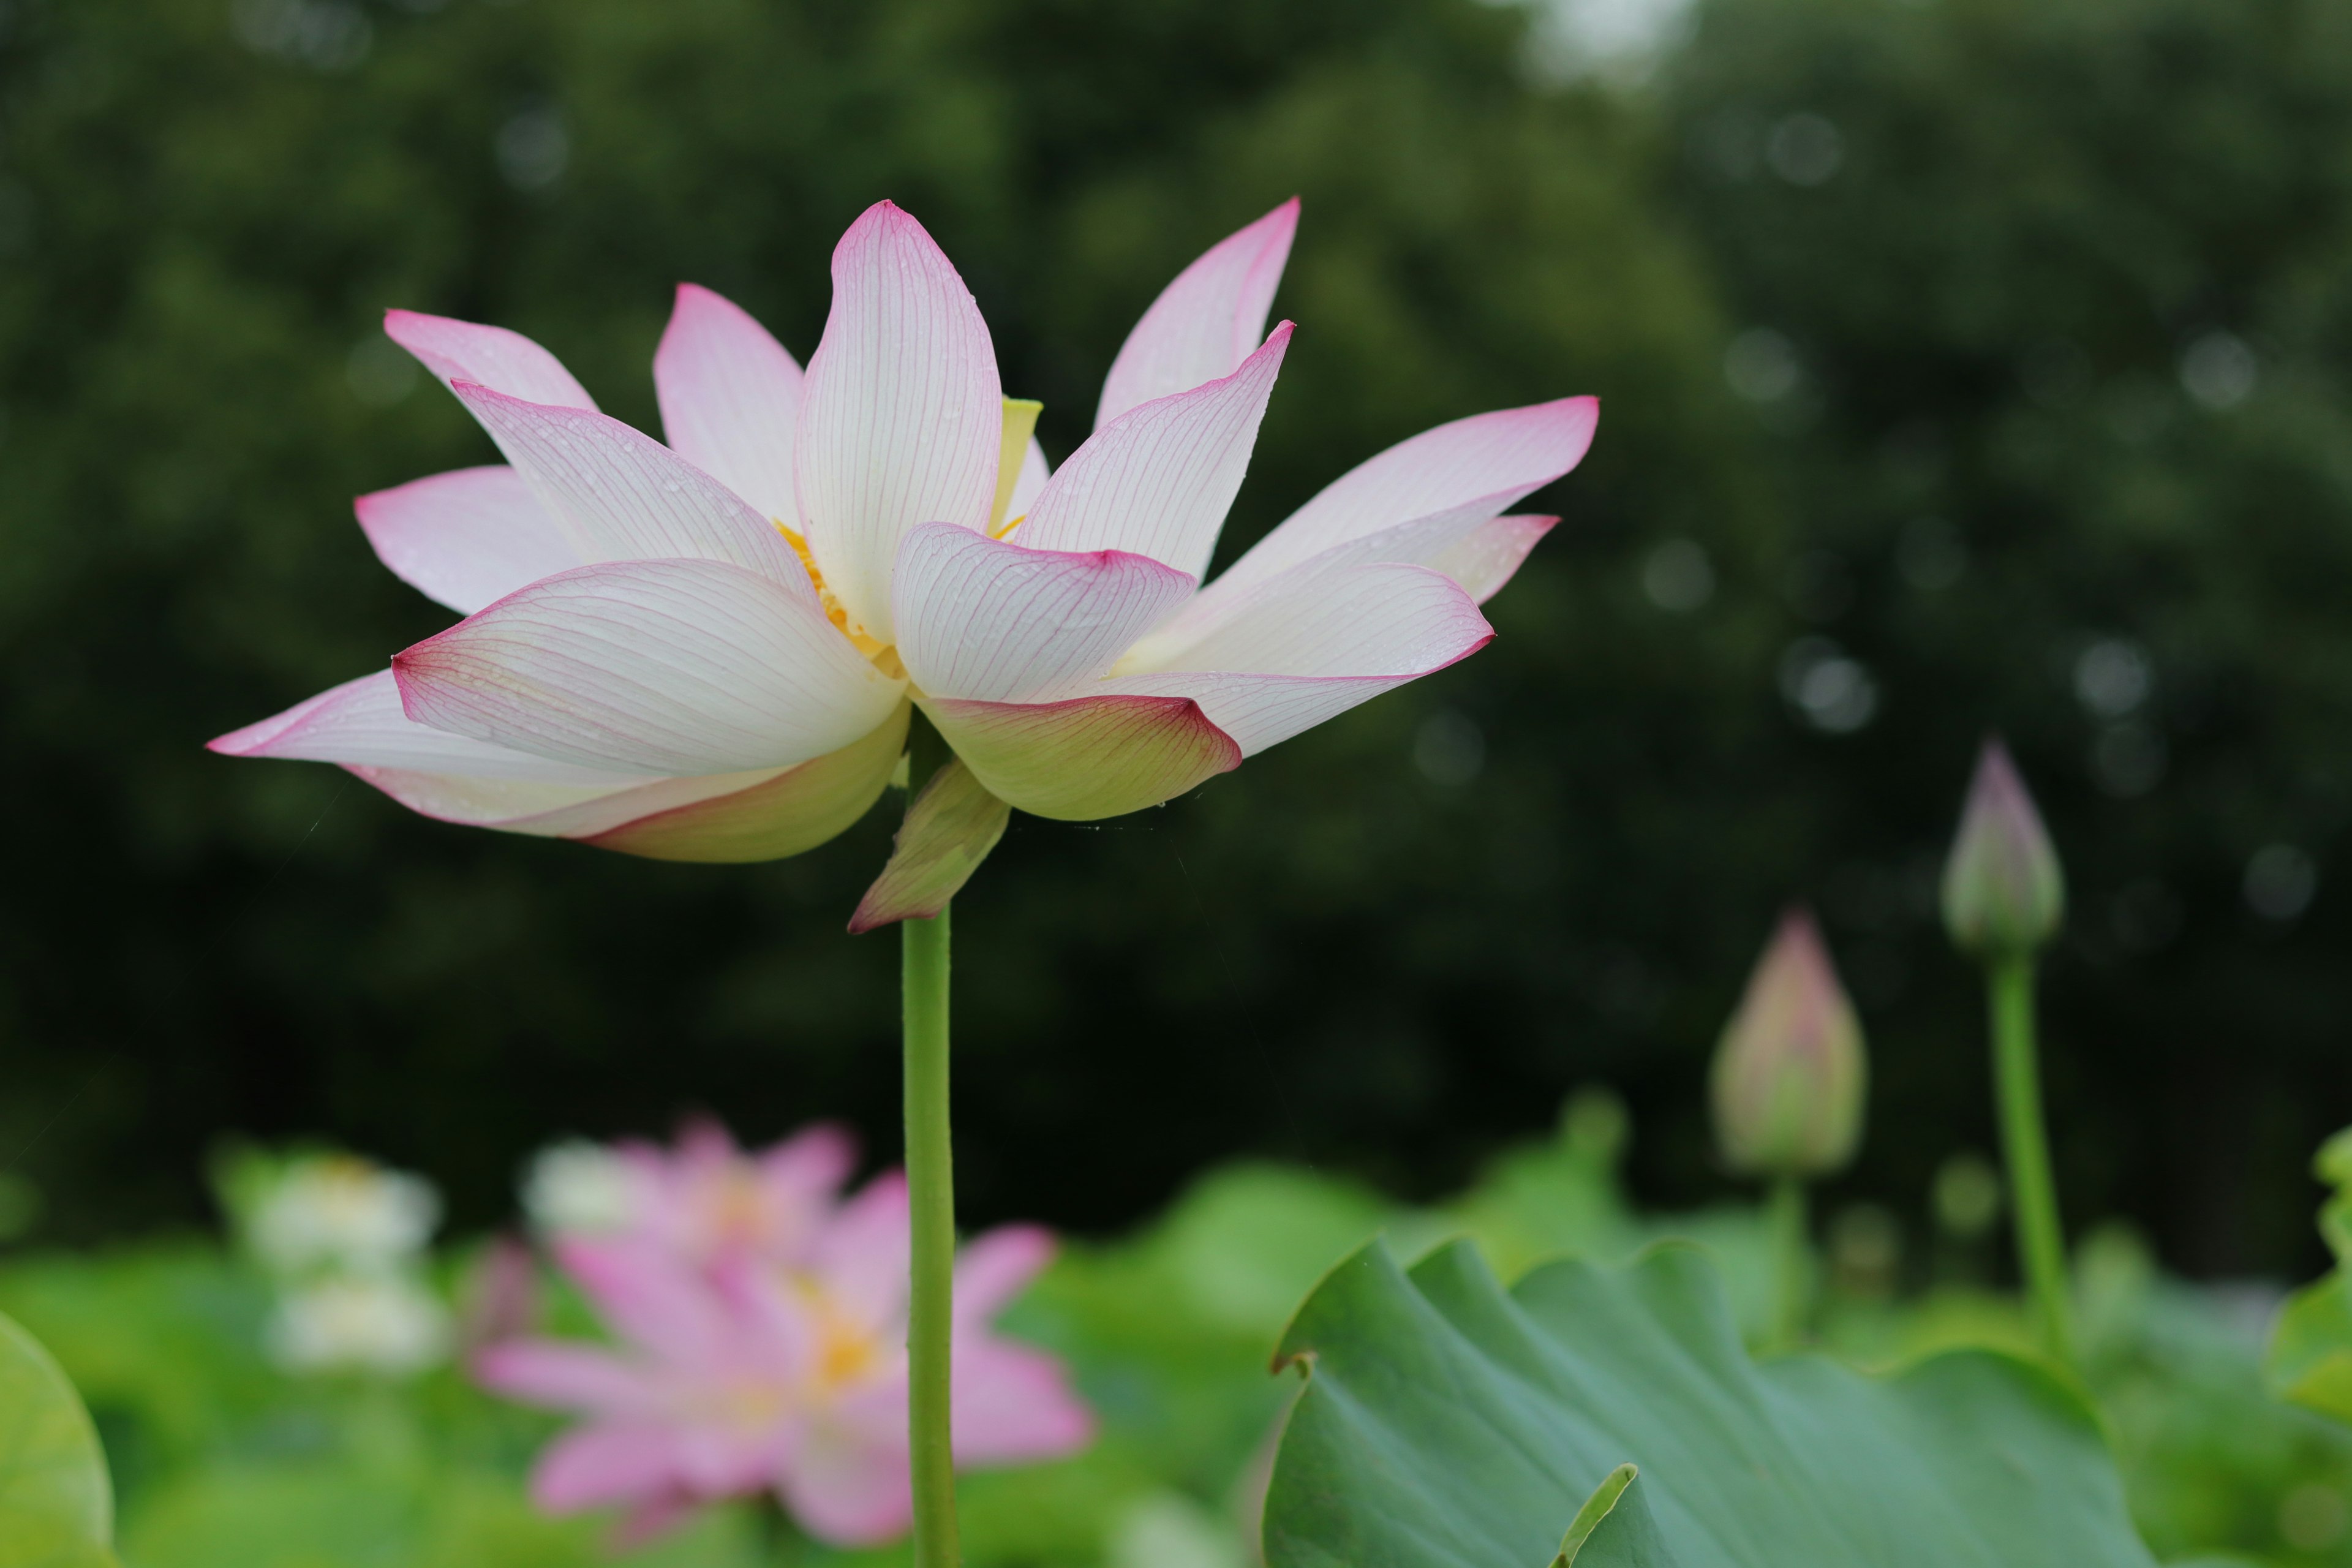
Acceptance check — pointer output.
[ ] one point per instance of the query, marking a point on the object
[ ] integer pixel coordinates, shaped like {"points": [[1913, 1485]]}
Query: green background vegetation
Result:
{"points": [[1998, 346]]}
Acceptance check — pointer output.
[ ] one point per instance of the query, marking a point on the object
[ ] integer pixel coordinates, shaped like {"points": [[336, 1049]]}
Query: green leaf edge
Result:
{"points": [[97, 1551]]}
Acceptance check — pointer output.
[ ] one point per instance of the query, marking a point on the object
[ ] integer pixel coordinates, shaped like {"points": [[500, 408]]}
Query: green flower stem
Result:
{"points": [[2025, 1142], [930, 1195], [1791, 1260]]}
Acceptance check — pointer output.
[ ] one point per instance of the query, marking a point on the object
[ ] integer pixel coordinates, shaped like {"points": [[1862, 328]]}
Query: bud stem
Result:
{"points": [[2025, 1143], [1791, 1261]]}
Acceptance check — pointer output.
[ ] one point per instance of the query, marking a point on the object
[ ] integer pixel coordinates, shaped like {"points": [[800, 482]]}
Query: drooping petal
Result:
{"points": [[603, 1463], [467, 537], [1159, 479], [850, 1485], [1012, 1405], [1314, 644], [656, 667], [1085, 757], [730, 398], [1489, 459], [995, 1267], [494, 357], [788, 815], [985, 618], [623, 496], [564, 1376], [948, 831], [1206, 321], [1492, 555], [901, 412], [362, 723], [548, 811]]}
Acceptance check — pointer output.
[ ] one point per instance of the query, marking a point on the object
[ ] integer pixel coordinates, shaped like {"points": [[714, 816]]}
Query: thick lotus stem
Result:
{"points": [[930, 1195]]}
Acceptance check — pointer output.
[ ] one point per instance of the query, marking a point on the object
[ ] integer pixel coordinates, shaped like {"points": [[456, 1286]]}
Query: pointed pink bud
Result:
{"points": [[1789, 1075], [2005, 893]]}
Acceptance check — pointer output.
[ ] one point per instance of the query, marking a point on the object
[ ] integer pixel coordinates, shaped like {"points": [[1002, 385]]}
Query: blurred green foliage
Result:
{"points": [[221, 1457], [1967, 363]]}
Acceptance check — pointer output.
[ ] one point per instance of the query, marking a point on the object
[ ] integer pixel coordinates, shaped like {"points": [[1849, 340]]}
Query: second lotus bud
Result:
{"points": [[1789, 1074], [2005, 893]]}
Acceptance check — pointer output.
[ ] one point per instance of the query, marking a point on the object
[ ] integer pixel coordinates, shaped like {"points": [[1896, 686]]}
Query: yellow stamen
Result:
{"points": [[867, 643]]}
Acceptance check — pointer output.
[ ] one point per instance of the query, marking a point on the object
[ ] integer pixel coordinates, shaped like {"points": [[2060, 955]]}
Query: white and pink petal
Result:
{"points": [[495, 357], [467, 537], [1206, 321], [730, 399]]}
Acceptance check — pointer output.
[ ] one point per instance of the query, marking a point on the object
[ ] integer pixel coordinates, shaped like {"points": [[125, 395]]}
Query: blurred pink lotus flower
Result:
{"points": [[777, 1361], [707, 650]]}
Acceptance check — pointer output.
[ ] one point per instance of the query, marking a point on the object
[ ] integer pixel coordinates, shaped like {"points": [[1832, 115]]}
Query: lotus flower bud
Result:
{"points": [[1789, 1074], [2003, 891]]}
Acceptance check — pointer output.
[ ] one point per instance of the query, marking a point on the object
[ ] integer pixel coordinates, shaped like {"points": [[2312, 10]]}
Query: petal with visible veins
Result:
{"points": [[730, 397], [663, 667], [1205, 322], [465, 538], [1085, 757], [363, 723], [494, 357], [1159, 479], [901, 413], [984, 618]]}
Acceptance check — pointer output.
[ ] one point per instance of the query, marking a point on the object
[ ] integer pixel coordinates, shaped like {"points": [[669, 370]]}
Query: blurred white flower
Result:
{"points": [[337, 1212], [382, 1323], [578, 1188]]}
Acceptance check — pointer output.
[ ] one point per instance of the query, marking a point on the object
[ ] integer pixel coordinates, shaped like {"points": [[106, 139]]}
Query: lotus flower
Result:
{"points": [[708, 650], [758, 1375]]}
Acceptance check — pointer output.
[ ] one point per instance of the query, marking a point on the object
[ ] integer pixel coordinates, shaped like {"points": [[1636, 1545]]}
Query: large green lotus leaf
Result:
{"points": [[57, 1507], [1448, 1422]]}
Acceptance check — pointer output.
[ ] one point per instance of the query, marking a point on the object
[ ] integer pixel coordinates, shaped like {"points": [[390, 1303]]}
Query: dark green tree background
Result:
{"points": [[1967, 365]]}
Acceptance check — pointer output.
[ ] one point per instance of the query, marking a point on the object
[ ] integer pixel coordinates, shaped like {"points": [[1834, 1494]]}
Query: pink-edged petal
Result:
{"points": [[467, 537], [1086, 757], [362, 723], [488, 356], [564, 1376], [862, 1257], [1492, 459], [1492, 555], [623, 496], [950, 829], [901, 415], [810, 1164], [1316, 644], [660, 666], [766, 814], [1012, 1405], [1031, 484], [730, 397], [849, 1485], [997, 1266], [1010, 622], [603, 1463], [1159, 480], [649, 1299], [1206, 321]]}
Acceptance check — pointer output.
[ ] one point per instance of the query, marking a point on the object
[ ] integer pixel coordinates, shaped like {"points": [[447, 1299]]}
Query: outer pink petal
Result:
{"points": [[810, 1165], [849, 1484], [730, 396], [362, 724], [1206, 321], [950, 829], [1011, 1403], [901, 418], [488, 356], [1159, 479], [565, 1376], [465, 538], [659, 667], [651, 1300], [997, 1266], [1491, 458], [605, 1463], [862, 1257], [1491, 556], [1086, 757], [983, 619], [624, 496], [1318, 643]]}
